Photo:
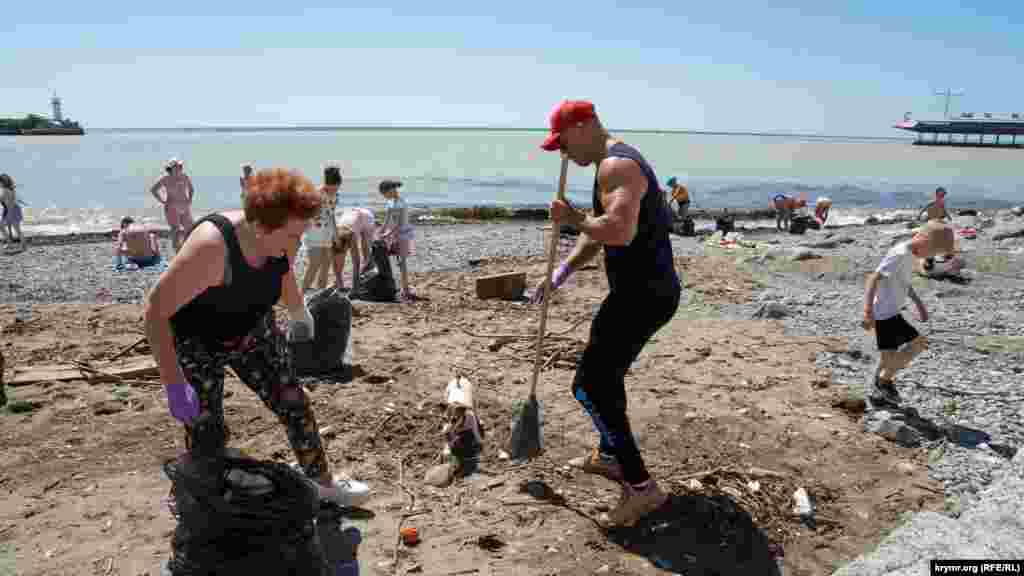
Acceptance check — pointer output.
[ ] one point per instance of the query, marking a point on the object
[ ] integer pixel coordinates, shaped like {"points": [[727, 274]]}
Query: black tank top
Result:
{"points": [[645, 264], [231, 310]]}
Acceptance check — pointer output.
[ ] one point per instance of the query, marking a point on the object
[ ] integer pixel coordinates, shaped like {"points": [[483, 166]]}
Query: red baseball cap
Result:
{"points": [[565, 114]]}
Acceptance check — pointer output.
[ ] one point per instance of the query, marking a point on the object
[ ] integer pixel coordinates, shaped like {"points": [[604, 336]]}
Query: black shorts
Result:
{"points": [[894, 332]]}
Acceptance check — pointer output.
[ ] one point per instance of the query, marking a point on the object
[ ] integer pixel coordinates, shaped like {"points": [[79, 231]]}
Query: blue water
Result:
{"points": [[89, 182]]}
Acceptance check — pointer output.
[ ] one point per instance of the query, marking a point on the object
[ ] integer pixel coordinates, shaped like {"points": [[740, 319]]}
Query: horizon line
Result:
{"points": [[479, 128]]}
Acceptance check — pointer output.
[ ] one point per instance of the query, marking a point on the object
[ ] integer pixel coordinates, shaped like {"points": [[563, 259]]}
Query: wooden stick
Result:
{"points": [[496, 336], [756, 472], [86, 367], [552, 252], [128, 349], [408, 514]]}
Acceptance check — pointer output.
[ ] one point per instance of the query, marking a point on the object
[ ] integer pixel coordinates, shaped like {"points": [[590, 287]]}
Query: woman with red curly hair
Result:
{"points": [[213, 307]]}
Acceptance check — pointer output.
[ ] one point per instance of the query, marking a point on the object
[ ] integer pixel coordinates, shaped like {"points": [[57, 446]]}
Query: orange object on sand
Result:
{"points": [[410, 536]]}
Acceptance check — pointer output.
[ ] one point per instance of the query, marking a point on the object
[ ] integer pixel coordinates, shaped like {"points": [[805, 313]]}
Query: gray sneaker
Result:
{"points": [[884, 393]]}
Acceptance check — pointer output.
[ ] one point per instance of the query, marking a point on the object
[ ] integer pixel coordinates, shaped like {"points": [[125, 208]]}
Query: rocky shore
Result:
{"points": [[963, 398]]}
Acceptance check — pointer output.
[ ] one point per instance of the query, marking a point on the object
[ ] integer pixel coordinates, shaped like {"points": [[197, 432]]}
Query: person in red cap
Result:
{"points": [[631, 223]]}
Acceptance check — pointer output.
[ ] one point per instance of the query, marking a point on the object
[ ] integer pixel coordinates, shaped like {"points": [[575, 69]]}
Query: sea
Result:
{"points": [[73, 184]]}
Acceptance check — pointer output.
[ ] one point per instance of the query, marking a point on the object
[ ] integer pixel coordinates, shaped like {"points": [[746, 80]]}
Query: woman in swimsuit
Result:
{"points": [[12, 216]]}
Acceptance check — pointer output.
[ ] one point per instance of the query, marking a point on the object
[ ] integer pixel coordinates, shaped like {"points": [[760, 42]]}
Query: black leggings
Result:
{"points": [[264, 364], [619, 332]]}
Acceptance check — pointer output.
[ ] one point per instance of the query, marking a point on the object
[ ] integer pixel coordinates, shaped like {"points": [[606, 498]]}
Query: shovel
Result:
{"points": [[526, 442]]}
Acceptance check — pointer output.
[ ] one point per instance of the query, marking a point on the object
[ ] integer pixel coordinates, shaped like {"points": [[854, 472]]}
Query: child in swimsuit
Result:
{"points": [[398, 233], [12, 216]]}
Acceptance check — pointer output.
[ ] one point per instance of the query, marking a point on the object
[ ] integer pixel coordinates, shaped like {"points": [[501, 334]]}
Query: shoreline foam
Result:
{"points": [[50, 233]]}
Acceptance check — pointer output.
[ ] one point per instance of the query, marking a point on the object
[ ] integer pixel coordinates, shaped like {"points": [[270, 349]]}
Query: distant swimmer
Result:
{"points": [[177, 200], [936, 210], [680, 195]]}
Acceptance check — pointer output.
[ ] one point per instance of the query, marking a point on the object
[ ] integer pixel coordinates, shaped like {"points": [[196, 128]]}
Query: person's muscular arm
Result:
{"points": [[623, 185], [584, 251]]}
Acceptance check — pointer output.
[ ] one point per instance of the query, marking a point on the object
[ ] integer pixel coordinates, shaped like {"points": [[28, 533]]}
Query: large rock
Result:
{"points": [[902, 426], [890, 426], [1017, 210], [772, 310], [802, 253], [829, 243], [1004, 232]]}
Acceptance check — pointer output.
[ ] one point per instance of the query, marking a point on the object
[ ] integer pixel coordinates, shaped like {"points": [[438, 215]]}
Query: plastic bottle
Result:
{"points": [[346, 356]]}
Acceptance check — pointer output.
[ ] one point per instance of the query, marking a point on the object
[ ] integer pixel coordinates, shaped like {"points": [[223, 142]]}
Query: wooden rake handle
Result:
{"points": [[552, 252]]}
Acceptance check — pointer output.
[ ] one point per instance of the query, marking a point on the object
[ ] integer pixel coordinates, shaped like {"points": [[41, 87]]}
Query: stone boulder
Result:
{"points": [[1006, 232], [903, 426], [772, 310]]}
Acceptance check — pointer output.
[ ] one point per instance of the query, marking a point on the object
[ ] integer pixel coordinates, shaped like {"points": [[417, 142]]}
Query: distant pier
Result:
{"points": [[987, 133]]}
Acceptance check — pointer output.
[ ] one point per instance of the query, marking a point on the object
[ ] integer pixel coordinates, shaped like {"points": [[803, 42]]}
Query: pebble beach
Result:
{"points": [[968, 386]]}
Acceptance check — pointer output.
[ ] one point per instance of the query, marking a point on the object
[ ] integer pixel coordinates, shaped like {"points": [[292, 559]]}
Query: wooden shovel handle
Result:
{"points": [[552, 252]]}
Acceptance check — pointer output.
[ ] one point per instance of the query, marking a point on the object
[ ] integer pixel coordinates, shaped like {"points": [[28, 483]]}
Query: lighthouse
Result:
{"points": [[58, 117]]}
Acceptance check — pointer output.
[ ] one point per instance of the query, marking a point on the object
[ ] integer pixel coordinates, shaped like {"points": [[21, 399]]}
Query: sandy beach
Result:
{"points": [[750, 393]]}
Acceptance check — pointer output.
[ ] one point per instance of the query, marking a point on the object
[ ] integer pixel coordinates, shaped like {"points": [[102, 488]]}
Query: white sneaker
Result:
{"points": [[345, 493]]}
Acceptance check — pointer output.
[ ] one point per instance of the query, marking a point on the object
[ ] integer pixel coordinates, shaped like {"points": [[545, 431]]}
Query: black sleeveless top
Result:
{"points": [[645, 264], [229, 311]]}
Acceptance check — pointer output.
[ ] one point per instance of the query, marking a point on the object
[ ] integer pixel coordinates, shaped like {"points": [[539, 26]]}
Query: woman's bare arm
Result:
{"points": [[198, 265]]}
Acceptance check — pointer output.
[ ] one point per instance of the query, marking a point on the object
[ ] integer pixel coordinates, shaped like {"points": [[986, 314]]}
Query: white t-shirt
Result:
{"points": [[896, 269], [360, 220], [323, 229]]}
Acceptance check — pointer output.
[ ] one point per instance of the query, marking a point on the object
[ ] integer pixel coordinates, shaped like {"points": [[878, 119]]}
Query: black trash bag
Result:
{"points": [[685, 227], [339, 542], [378, 285], [725, 224], [241, 516], [800, 224], [332, 321]]}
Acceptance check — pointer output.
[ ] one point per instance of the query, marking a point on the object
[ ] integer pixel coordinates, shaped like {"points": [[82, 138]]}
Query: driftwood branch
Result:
{"points": [[128, 349], [409, 513], [549, 334], [755, 472]]}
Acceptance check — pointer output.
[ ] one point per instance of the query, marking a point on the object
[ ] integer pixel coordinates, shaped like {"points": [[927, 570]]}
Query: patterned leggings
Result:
{"points": [[263, 362]]}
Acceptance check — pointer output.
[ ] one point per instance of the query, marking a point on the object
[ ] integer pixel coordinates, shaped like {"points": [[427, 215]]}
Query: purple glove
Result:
{"points": [[558, 277], [182, 400]]}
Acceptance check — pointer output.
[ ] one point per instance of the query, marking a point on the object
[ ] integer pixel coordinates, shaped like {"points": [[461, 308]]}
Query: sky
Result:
{"points": [[798, 67]]}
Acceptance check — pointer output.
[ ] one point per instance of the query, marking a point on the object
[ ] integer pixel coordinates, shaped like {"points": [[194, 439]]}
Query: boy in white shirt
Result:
{"points": [[886, 291]]}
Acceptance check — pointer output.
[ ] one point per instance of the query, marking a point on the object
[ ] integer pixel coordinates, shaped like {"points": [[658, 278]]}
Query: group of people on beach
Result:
{"points": [[214, 305], [328, 241]]}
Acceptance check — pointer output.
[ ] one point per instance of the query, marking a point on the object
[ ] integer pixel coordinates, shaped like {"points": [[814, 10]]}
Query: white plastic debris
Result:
{"points": [[802, 504]]}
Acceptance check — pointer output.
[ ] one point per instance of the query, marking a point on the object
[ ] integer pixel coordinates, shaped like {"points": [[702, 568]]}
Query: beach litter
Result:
{"points": [[803, 507], [236, 515], [464, 435]]}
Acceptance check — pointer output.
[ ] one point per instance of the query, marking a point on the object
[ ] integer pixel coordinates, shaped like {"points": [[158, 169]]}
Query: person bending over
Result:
{"points": [[213, 307]]}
